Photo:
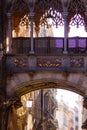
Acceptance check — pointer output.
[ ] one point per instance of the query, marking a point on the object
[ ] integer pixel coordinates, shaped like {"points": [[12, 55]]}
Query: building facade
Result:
{"points": [[69, 118], [33, 63]]}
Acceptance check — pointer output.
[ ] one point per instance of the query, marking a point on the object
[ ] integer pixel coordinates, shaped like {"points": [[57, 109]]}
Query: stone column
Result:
{"points": [[86, 26], [31, 15], [9, 33], [65, 32]]}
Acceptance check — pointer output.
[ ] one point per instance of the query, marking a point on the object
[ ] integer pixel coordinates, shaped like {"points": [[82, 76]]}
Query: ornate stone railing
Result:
{"points": [[48, 55], [49, 45], [60, 63]]}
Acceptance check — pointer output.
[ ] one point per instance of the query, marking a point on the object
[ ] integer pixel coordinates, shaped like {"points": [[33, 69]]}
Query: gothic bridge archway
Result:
{"points": [[22, 83]]}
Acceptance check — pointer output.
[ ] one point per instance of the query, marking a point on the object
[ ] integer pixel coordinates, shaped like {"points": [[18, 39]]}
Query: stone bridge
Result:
{"points": [[29, 73], [23, 72]]}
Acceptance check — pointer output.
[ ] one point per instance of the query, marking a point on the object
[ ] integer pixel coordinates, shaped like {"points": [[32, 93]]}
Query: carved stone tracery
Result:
{"points": [[18, 7], [47, 62], [77, 62], [53, 7]]}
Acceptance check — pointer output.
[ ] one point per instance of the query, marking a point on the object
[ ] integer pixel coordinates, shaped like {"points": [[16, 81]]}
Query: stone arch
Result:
{"points": [[22, 83], [46, 84]]}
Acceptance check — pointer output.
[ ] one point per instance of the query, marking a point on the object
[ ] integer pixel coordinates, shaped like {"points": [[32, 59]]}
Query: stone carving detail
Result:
{"points": [[20, 62], [77, 62], [49, 62]]}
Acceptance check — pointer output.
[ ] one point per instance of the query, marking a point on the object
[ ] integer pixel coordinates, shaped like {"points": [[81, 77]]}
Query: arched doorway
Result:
{"points": [[50, 110]]}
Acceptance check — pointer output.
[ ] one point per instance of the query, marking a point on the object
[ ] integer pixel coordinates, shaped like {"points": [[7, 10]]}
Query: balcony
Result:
{"points": [[50, 45], [48, 55]]}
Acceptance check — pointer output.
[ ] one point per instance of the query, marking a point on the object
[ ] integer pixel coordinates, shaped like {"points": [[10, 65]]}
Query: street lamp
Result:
{"points": [[29, 103]]}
